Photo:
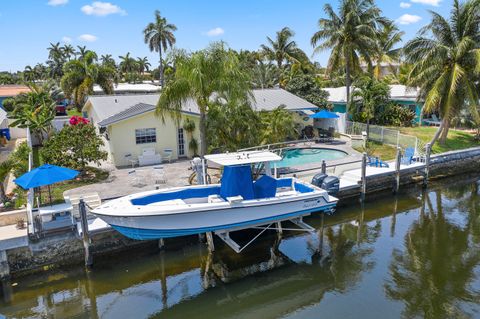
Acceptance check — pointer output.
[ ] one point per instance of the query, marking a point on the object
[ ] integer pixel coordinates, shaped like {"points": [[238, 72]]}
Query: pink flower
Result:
{"points": [[74, 120]]}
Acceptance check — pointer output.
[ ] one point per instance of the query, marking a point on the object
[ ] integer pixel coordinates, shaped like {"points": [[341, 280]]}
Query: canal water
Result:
{"points": [[413, 255]]}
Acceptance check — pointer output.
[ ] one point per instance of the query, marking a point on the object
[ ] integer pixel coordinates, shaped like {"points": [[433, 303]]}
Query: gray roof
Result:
{"points": [[114, 108], [269, 99]]}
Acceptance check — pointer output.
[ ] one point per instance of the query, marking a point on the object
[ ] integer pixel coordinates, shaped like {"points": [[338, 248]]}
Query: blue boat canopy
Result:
{"points": [[45, 175], [237, 180], [324, 114]]}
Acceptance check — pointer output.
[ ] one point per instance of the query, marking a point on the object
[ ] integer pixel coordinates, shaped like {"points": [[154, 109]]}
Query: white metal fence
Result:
{"points": [[385, 135]]}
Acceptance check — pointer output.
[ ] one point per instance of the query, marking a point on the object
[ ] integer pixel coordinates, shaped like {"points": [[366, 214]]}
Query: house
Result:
{"points": [[8, 91], [129, 88], [400, 94], [128, 123], [386, 68]]}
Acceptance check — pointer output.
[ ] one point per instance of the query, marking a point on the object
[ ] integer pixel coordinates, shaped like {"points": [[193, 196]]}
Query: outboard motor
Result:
{"points": [[317, 180], [331, 184]]}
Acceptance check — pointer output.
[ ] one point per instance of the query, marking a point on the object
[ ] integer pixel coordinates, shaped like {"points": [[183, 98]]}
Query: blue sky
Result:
{"points": [[28, 26]]}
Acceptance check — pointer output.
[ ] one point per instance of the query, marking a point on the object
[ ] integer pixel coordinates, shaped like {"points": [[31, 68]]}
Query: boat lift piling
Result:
{"points": [[85, 235], [398, 160], [363, 189], [428, 150]]}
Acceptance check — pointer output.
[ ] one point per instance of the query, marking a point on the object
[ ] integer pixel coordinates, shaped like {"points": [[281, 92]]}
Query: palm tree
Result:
{"points": [[369, 94], [127, 63], [29, 74], [349, 34], [69, 51], [198, 77], [80, 76], [108, 60], [143, 65], [446, 63], [36, 109], [282, 49], [279, 125], [82, 50], [386, 53], [159, 36], [264, 75], [55, 51]]}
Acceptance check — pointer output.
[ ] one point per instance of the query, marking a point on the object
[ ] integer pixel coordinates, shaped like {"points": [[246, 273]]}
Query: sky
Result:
{"points": [[28, 26]]}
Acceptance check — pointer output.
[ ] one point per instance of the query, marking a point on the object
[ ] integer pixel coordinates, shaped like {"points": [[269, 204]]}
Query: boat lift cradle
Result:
{"points": [[242, 158]]}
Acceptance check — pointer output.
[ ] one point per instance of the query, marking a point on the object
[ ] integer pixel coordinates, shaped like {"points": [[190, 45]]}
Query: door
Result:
{"points": [[181, 142]]}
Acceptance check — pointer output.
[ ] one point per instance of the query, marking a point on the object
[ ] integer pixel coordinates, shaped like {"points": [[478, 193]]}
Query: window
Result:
{"points": [[145, 135]]}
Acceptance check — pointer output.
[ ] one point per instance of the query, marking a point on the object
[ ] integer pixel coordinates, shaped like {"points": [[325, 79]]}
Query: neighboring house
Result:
{"points": [[128, 123], [129, 88], [385, 68], [7, 91], [400, 94]]}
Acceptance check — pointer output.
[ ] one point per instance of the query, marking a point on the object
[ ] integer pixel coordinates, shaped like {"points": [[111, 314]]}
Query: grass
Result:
{"points": [[90, 176], [456, 139], [382, 151], [74, 111]]}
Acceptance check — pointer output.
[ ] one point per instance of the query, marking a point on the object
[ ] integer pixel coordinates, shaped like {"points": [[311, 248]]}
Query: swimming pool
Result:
{"points": [[301, 156]]}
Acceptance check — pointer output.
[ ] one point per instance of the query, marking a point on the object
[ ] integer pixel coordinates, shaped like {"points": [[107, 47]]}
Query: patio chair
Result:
{"points": [[131, 160], [434, 121], [135, 179], [408, 157], [167, 154], [159, 175]]}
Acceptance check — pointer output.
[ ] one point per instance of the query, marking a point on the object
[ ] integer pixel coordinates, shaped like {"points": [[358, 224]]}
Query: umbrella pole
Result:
{"points": [[50, 194]]}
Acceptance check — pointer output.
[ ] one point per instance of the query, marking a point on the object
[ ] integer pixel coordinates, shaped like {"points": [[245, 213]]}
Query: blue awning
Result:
{"points": [[45, 175], [324, 114]]}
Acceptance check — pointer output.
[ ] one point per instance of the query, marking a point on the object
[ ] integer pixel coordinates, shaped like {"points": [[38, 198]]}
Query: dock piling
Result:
{"points": [[397, 170], [428, 150], [85, 235], [364, 178]]}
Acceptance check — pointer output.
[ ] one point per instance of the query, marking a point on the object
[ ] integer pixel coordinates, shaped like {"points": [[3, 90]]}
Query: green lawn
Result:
{"points": [[456, 139], [384, 152], [74, 111]]}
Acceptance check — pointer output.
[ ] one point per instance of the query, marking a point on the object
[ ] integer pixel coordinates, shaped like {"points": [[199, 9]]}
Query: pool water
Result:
{"points": [[302, 156]]}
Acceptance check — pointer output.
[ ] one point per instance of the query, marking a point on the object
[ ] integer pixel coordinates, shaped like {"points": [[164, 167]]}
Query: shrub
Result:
{"points": [[74, 146]]}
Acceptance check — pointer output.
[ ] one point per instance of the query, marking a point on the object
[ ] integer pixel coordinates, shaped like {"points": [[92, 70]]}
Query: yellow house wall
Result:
{"points": [[122, 136]]}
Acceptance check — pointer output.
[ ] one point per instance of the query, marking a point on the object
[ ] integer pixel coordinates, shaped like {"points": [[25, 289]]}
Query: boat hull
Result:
{"points": [[244, 215]]}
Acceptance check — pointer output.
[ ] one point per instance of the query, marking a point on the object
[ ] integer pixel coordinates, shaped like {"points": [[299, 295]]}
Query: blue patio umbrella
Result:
{"points": [[45, 175], [324, 114]]}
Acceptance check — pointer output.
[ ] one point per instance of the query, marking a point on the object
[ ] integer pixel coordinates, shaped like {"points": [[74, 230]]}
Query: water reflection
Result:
{"points": [[433, 275], [422, 248]]}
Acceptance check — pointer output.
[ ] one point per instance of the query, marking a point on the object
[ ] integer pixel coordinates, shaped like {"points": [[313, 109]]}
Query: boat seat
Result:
{"points": [[235, 199], [215, 199]]}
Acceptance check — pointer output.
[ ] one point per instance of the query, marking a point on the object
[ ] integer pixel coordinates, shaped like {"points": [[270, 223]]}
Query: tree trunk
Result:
{"points": [[348, 80], [160, 67], [437, 134], [446, 127], [203, 133]]}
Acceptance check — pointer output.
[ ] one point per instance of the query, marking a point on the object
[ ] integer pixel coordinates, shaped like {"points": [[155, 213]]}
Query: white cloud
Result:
{"points": [[66, 39], [98, 8], [215, 32], [55, 3], [408, 19], [88, 38], [405, 5], [434, 3]]}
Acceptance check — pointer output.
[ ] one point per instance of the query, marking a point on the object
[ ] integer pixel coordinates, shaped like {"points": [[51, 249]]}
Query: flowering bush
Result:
{"points": [[74, 120]]}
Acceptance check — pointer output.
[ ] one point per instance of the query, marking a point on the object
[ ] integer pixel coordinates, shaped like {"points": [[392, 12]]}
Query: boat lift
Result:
{"points": [[224, 235]]}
